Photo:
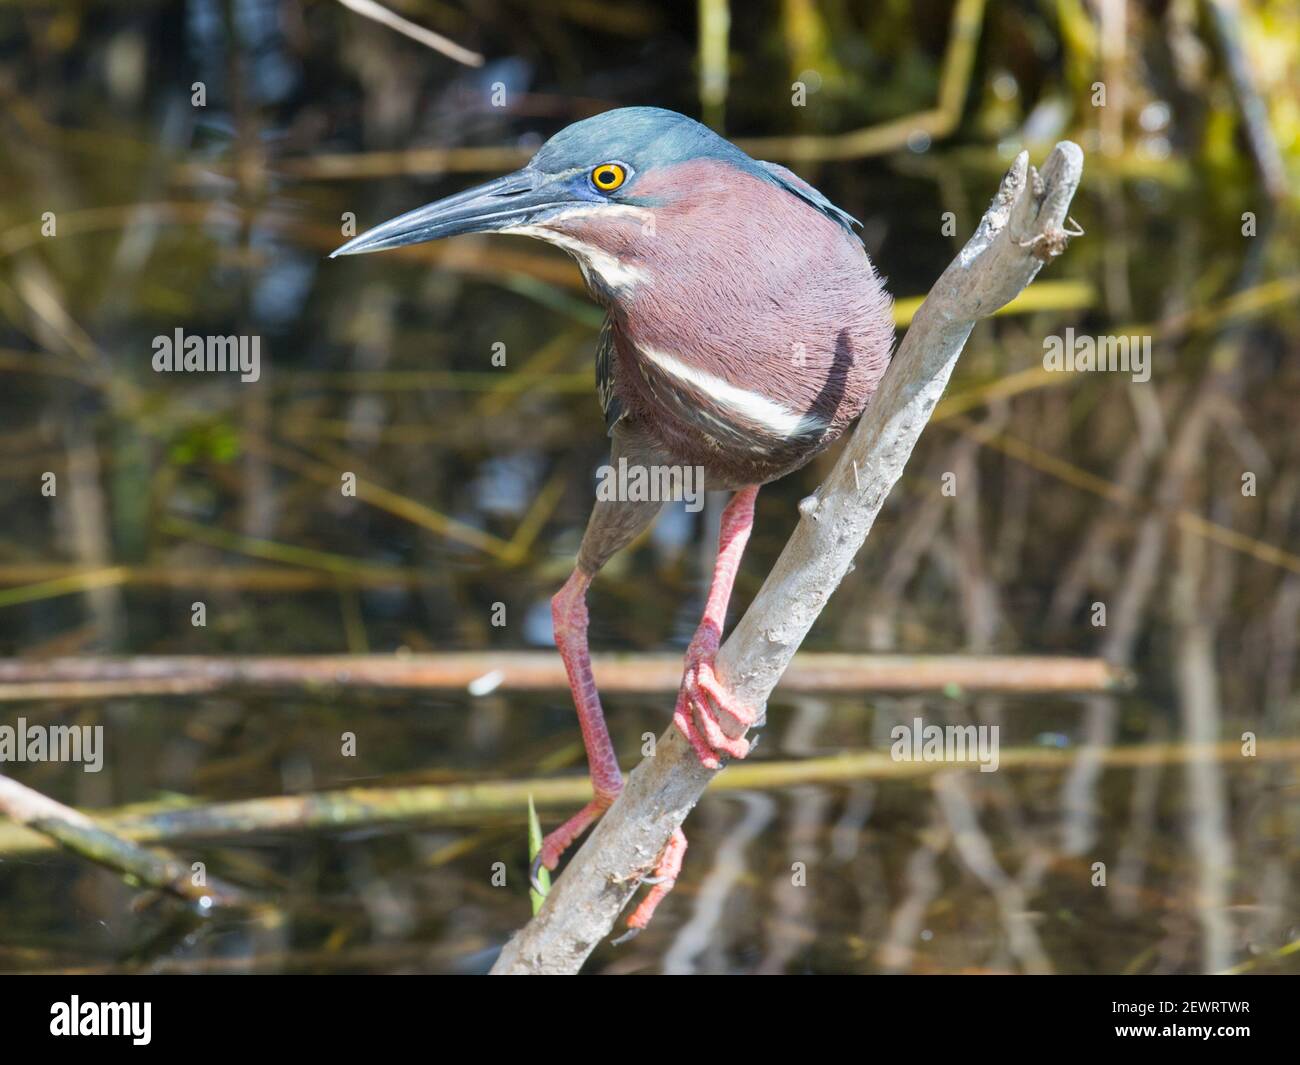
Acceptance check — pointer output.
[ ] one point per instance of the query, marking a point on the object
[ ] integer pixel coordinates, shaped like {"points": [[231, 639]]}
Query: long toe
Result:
{"points": [[559, 841], [725, 700], [707, 718], [684, 719], [700, 703], [665, 877]]}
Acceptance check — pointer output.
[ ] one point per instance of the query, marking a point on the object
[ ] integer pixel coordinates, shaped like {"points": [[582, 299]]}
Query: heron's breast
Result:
{"points": [[761, 322]]}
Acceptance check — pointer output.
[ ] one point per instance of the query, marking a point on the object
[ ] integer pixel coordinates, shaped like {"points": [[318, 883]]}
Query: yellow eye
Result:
{"points": [[608, 176]]}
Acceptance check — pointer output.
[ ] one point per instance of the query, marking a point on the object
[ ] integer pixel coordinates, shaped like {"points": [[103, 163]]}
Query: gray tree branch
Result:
{"points": [[1024, 227]]}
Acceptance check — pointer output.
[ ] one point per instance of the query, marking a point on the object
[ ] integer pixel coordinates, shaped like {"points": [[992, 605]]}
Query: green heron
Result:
{"points": [[745, 330]]}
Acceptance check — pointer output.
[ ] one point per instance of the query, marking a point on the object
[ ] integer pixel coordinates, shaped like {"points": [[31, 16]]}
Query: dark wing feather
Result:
{"points": [[606, 361], [793, 183]]}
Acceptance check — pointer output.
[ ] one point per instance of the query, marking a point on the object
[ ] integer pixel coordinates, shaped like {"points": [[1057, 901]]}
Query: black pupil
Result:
{"points": [[607, 177]]}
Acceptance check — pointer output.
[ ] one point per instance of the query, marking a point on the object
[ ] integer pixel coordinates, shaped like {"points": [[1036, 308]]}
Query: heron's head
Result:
{"points": [[602, 187]]}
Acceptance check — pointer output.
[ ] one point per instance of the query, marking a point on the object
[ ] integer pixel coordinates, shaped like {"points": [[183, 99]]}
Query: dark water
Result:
{"points": [[1077, 489]]}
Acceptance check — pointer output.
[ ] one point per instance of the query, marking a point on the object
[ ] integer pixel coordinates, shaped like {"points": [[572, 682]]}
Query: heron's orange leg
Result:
{"points": [[569, 616], [702, 697]]}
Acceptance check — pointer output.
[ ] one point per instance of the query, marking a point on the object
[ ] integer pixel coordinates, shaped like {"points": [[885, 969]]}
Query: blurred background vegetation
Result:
{"points": [[474, 480]]}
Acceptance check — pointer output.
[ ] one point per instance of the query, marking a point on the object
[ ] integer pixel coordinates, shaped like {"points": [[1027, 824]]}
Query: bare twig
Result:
{"points": [[371, 10], [1024, 227]]}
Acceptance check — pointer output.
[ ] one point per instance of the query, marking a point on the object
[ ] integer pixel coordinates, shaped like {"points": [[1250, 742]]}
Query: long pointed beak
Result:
{"points": [[511, 200]]}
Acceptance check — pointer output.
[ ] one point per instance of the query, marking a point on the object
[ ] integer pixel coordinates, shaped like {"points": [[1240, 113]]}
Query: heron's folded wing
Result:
{"points": [[606, 363]]}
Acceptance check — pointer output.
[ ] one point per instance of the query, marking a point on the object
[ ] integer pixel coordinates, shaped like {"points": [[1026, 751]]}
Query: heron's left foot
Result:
{"points": [[701, 701], [665, 876]]}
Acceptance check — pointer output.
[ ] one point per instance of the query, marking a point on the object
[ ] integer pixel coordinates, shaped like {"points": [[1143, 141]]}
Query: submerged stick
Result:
{"points": [[1025, 226], [480, 673], [375, 807], [77, 833]]}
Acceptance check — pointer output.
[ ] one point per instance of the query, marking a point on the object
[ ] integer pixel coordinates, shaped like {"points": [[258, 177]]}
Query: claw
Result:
{"points": [[535, 874], [631, 933]]}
